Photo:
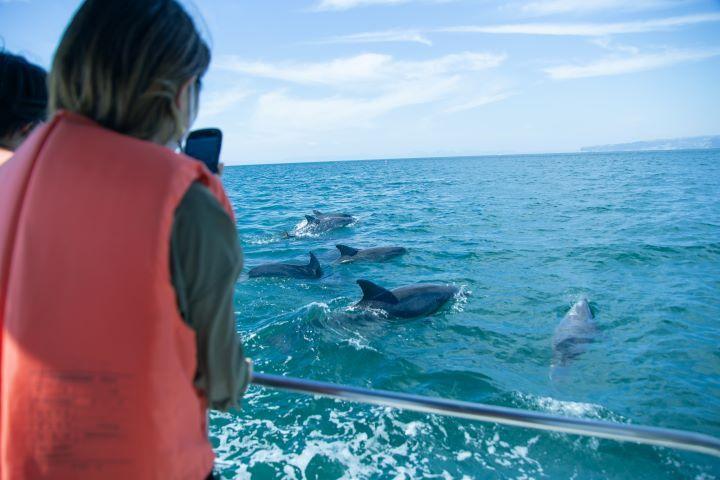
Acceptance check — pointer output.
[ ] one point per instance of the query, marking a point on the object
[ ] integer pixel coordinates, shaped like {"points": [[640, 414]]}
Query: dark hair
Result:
{"points": [[122, 62], [23, 94]]}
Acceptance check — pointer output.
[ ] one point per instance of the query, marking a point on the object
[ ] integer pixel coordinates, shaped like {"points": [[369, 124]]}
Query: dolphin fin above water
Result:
{"points": [[315, 264], [347, 251], [312, 219], [372, 292]]}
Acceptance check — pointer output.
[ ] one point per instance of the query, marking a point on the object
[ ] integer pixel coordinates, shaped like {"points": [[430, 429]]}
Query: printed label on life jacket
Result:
{"points": [[76, 416]]}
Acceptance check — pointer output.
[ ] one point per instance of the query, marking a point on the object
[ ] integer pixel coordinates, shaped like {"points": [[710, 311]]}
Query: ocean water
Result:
{"points": [[524, 237]]}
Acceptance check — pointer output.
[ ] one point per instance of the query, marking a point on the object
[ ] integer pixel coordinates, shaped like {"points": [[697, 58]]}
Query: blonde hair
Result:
{"points": [[122, 63]]}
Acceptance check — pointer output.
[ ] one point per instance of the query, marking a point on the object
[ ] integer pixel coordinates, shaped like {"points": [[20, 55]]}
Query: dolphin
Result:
{"points": [[572, 334], [405, 302], [318, 213], [287, 270], [322, 222], [379, 254]]}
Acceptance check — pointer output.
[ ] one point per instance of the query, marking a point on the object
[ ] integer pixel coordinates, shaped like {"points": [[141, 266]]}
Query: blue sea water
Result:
{"points": [[524, 237]]}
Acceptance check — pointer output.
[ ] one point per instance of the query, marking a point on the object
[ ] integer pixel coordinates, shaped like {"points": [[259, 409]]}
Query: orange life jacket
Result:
{"points": [[97, 363]]}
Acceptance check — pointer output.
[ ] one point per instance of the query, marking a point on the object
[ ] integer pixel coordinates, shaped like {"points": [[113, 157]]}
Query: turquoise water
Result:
{"points": [[523, 237]]}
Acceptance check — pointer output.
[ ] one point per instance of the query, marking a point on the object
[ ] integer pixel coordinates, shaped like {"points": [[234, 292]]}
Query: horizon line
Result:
{"points": [[486, 155]]}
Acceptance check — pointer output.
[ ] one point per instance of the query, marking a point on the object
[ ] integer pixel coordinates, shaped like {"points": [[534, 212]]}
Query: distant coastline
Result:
{"points": [[707, 142], [685, 143]]}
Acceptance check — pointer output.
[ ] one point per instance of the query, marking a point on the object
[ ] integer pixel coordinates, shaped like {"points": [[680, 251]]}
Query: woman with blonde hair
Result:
{"points": [[118, 259]]}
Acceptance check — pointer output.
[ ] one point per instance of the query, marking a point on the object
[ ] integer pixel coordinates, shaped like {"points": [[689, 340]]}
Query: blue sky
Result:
{"points": [[306, 80]]}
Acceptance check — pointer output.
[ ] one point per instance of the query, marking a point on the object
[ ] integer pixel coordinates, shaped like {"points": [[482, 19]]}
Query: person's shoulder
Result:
{"points": [[203, 226], [200, 199]]}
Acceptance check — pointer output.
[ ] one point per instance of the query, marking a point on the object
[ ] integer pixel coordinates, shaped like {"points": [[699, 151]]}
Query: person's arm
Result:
{"points": [[205, 260]]}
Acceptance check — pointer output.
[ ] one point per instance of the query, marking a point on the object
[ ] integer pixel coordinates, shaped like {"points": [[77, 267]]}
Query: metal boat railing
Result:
{"points": [[664, 437]]}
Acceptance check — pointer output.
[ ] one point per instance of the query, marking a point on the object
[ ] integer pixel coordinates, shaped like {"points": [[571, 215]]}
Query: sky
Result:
{"points": [[319, 80]]}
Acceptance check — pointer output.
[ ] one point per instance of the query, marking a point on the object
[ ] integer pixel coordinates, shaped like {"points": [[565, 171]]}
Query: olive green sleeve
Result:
{"points": [[205, 261]]}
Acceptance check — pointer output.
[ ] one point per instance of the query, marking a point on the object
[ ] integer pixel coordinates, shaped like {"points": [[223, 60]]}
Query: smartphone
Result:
{"points": [[204, 145]]}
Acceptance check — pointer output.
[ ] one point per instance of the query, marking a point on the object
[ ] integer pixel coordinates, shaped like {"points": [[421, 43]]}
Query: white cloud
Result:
{"points": [[552, 7], [280, 111], [348, 4], [363, 67], [368, 68], [389, 36], [587, 29], [218, 101], [631, 64], [352, 93], [479, 102], [608, 44], [551, 29], [323, 5]]}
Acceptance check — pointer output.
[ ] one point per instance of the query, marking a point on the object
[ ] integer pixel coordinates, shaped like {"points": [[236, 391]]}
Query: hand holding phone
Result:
{"points": [[204, 145]]}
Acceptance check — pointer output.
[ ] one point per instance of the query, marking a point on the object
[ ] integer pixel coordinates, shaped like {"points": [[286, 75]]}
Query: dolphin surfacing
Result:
{"points": [[377, 254], [288, 270], [405, 302], [573, 333], [322, 222]]}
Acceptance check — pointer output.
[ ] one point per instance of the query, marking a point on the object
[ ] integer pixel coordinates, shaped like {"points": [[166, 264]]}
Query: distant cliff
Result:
{"points": [[711, 141]]}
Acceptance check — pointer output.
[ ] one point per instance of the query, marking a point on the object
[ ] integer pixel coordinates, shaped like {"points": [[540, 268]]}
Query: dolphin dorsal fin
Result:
{"points": [[376, 292], [315, 265], [347, 251], [317, 212], [311, 219]]}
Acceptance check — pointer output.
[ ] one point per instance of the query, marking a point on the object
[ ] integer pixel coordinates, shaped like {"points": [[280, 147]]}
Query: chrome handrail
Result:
{"points": [[664, 437]]}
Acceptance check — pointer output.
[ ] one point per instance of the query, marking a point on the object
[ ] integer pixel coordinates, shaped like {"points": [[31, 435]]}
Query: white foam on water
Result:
{"points": [[248, 337], [463, 455], [563, 407], [502, 453], [364, 442], [260, 240], [411, 428], [375, 312], [360, 343], [304, 230], [321, 305], [242, 447], [461, 298]]}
